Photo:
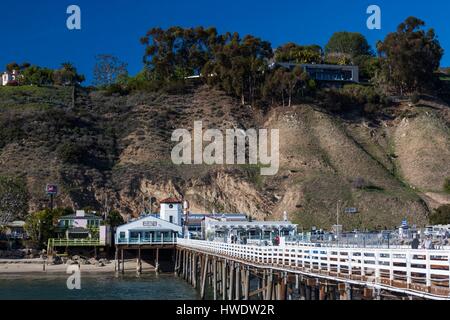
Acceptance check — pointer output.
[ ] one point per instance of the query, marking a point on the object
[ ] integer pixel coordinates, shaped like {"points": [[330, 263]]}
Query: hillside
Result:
{"points": [[116, 149]]}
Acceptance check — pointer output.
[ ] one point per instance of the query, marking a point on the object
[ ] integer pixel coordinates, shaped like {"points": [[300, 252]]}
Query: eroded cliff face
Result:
{"points": [[114, 152]]}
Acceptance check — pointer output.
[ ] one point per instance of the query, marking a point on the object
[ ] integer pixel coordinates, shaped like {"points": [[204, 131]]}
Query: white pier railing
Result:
{"points": [[419, 272]]}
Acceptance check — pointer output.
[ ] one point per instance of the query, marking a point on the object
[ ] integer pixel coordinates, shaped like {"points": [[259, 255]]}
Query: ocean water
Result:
{"points": [[96, 286]]}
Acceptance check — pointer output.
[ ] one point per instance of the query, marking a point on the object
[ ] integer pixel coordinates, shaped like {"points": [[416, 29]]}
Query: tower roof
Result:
{"points": [[171, 201]]}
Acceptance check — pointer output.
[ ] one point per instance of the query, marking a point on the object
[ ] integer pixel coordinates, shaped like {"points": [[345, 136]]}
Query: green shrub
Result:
{"points": [[350, 97], [71, 153], [447, 185], [115, 89]]}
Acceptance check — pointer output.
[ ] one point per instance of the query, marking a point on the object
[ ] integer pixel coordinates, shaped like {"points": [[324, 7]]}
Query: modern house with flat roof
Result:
{"points": [[328, 73]]}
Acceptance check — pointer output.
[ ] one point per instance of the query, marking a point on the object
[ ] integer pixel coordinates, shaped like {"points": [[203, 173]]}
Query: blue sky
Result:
{"points": [[35, 31]]}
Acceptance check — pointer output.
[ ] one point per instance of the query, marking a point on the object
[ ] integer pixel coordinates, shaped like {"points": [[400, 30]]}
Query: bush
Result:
{"points": [[352, 96], [175, 87], [71, 153], [115, 89], [441, 215], [447, 185]]}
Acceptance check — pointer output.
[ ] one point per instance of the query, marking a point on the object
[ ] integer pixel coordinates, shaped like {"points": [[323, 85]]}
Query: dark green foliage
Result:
{"points": [[441, 215], [351, 97], [294, 53], [38, 76], [72, 153], [283, 85], [116, 89], [42, 225], [177, 53], [348, 44], [447, 185], [369, 67], [114, 219], [233, 64], [351, 43], [67, 75], [410, 55]]}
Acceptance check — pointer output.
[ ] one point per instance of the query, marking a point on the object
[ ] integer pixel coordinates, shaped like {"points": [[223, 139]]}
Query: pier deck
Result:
{"points": [[407, 272]]}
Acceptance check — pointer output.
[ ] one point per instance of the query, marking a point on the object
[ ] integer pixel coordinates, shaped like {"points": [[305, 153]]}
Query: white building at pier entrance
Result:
{"points": [[154, 229]]}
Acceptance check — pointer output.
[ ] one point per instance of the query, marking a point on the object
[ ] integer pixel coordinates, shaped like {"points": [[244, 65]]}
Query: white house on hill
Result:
{"points": [[10, 77]]}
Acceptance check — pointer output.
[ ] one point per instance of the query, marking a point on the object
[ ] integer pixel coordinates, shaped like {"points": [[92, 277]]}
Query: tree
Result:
{"points": [[114, 219], [41, 225], [347, 45], [13, 199], [38, 76], [176, 53], [410, 56], [108, 69], [67, 75], [286, 83], [239, 65], [441, 215], [294, 53], [10, 67]]}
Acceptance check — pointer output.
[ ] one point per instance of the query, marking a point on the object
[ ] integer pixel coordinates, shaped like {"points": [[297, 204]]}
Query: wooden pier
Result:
{"points": [[306, 272]]}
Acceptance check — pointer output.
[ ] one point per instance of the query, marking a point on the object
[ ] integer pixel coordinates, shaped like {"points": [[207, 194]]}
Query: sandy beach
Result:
{"points": [[35, 266]]}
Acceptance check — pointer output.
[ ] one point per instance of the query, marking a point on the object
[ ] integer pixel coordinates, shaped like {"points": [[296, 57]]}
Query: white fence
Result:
{"points": [[424, 271]]}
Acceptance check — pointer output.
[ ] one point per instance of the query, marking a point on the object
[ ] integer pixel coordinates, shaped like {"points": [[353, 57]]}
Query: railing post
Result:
{"points": [[362, 265], [391, 267], [328, 261], [350, 258], [377, 266], [428, 264], [338, 253], [448, 258], [408, 268]]}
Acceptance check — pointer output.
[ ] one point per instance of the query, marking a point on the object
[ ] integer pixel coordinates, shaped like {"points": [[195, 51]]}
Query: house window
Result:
{"points": [[122, 235], [171, 219]]}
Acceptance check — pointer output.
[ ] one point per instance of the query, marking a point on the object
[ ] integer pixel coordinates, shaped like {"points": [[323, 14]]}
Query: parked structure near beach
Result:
{"points": [[15, 230]]}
